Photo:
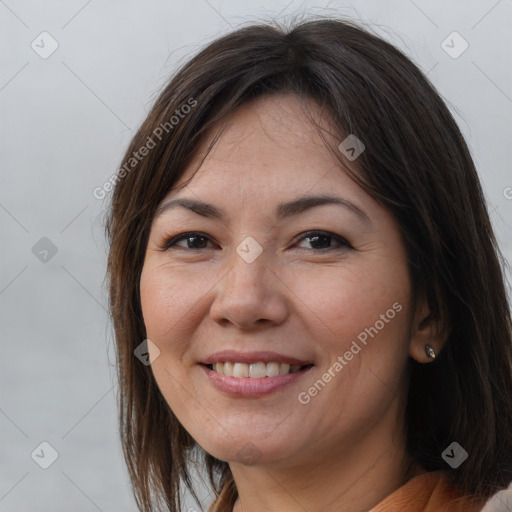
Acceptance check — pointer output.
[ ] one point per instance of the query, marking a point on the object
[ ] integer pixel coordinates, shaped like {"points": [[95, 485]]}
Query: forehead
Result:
{"points": [[270, 140], [268, 154]]}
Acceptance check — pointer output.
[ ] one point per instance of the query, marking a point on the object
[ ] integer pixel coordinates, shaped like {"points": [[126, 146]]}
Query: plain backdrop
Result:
{"points": [[66, 119]]}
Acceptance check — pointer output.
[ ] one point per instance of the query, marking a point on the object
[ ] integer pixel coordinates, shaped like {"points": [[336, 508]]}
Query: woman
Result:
{"points": [[305, 286]]}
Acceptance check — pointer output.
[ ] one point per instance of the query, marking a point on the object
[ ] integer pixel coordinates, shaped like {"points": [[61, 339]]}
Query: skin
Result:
{"points": [[345, 449]]}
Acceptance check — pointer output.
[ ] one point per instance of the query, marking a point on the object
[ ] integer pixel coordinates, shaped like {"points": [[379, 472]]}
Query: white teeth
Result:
{"points": [[240, 370], [257, 370], [272, 369], [254, 370], [228, 368]]}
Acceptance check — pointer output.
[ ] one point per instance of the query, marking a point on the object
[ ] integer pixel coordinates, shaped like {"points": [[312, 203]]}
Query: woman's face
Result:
{"points": [[253, 280]]}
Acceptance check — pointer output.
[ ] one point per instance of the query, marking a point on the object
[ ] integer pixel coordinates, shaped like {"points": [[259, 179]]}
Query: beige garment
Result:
{"points": [[500, 502]]}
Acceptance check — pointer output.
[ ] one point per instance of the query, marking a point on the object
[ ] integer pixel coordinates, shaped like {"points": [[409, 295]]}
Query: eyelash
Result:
{"points": [[170, 243]]}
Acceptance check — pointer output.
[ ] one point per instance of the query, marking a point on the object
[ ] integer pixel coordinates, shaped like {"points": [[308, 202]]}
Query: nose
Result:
{"points": [[250, 295]]}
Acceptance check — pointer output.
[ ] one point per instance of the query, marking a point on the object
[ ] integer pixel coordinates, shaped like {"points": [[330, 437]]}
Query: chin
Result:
{"points": [[249, 449]]}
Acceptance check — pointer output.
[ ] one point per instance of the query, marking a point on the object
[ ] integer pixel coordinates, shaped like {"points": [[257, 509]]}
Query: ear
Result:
{"points": [[426, 331]]}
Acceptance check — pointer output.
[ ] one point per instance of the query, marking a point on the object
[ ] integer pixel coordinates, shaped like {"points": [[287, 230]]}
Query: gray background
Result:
{"points": [[66, 120]]}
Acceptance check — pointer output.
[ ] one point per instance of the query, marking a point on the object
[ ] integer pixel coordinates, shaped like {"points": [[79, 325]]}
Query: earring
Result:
{"points": [[431, 353]]}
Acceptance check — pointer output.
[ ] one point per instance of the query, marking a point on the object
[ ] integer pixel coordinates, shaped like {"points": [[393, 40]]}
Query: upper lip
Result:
{"points": [[253, 357]]}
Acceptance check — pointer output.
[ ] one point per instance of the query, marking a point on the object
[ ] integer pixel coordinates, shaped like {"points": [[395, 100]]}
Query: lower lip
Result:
{"points": [[249, 387]]}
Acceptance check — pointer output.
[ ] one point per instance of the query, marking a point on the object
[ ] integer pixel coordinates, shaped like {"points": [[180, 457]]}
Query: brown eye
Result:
{"points": [[193, 241], [321, 240]]}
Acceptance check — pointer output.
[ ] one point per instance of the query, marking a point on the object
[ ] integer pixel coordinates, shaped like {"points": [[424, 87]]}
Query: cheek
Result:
{"points": [[361, 315], [344, 301], [168, 307], [155, 295], [168, 302]]}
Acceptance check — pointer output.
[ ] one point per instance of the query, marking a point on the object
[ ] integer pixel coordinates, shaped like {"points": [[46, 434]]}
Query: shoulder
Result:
{"points": [[429, 492]]}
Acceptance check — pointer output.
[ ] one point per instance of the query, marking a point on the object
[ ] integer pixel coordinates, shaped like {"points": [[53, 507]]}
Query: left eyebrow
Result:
{"points": [[283, 210]]}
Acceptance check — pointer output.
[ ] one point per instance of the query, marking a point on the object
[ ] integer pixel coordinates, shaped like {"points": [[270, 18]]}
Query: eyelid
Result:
{"points": [[170, 242], [320, 232]]}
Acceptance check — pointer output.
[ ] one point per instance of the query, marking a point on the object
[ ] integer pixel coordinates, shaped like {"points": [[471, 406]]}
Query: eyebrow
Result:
{"points": [[283, 210]]}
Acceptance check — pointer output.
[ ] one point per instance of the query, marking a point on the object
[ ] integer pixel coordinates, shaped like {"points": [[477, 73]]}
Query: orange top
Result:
{"points": [[428, 492]]}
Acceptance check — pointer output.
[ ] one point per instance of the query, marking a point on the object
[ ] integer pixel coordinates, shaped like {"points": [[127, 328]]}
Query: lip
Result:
{"points": [[253, 357], [249, 387]]}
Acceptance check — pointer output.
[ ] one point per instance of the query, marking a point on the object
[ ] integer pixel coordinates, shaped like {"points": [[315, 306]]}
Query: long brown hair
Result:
{"points": [[416, 164]]}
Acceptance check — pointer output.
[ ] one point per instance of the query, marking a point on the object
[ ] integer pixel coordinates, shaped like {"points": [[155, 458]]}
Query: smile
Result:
{"points": [[255, 370], [249, 386]]}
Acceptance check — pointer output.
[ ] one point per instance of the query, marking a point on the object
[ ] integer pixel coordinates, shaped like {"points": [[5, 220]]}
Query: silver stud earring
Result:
{"points": [[431, 353]]}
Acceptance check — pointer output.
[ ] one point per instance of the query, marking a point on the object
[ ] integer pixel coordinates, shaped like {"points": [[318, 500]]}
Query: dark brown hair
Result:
{"points": [[416, 164]]}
